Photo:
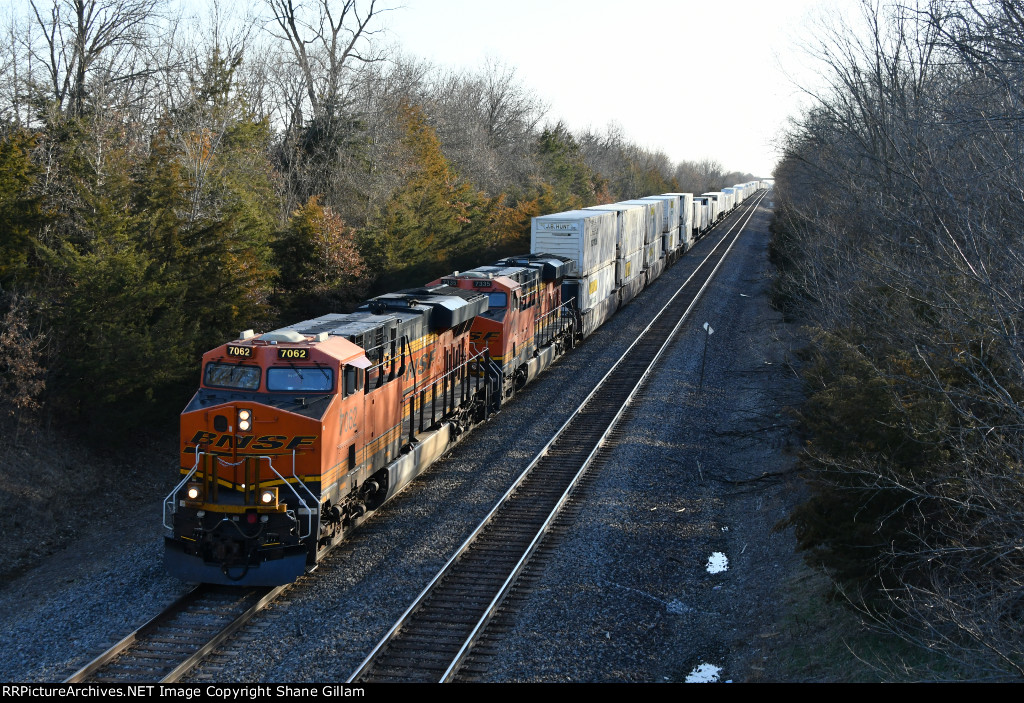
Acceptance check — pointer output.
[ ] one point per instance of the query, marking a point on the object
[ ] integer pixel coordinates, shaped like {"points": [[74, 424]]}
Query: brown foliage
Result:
{"points": [[22, 378]]}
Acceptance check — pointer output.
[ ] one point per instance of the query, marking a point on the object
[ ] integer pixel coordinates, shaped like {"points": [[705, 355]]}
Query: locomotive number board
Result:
{"points": [[481, 284], [239, 352], [293, 354]]}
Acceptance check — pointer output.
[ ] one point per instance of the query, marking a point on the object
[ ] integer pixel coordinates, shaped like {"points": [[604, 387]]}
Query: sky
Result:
{"points": [[647, 65], [712, 79]]}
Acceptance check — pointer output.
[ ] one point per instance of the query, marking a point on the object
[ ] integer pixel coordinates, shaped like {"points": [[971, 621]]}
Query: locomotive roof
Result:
{"points": [[552, 267], [339, 324], [519, 274], [441, 306]]}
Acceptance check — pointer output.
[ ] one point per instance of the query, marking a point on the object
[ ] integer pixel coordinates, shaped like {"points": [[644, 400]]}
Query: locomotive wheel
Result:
{"points": [[519, 381]]}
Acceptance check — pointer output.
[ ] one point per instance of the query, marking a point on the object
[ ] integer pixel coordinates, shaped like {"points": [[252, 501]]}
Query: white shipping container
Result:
{"points": [[670, 241], [655, 215], [630, 231], [717, 205], [707, 211], [669, 210], [652, 252], [731, 200], [629, 267], [686, 222], [588, 236], [593, 288]]}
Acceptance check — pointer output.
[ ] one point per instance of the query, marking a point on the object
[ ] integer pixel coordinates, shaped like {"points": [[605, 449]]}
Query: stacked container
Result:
{"points": [[687, 227], [731, 198], [629, 256], [670, 222], [652, 236], [717, 202], [588, 237]]}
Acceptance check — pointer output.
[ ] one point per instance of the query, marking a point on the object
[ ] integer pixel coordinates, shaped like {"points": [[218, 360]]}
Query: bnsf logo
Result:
{"points": [[261, 443]]}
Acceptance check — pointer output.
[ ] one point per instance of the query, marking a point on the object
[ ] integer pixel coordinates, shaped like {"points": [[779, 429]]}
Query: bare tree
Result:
{"points": [[902, 212], [325, 39], [85, 37], [487, 121]]}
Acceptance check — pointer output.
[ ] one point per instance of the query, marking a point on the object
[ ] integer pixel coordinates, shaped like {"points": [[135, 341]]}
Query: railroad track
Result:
{"points": [[175, 641], [434, 636], [428, 643]]}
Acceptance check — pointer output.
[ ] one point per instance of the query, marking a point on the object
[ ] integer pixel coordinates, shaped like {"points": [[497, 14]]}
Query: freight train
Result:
{"points": [[296, 435]]}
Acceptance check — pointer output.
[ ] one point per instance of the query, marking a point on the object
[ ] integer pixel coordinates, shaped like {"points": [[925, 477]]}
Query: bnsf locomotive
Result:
{"points": [[295, 435]]}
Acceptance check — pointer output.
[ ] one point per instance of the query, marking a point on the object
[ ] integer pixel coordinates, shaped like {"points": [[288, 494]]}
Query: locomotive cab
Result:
{"points": [[253, 453]]}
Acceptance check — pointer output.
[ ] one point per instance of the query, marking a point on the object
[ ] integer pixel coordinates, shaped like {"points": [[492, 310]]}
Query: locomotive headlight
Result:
{"points": [[244, 420], [194, 493], [268, 496]]}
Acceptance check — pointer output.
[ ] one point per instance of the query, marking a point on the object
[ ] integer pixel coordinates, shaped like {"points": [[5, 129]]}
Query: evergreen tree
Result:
{"points": [[21, 210], [431, 218], [568, 183]]}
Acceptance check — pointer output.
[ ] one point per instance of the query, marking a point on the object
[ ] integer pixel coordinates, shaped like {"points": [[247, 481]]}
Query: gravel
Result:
{"points": [[626, 596]]}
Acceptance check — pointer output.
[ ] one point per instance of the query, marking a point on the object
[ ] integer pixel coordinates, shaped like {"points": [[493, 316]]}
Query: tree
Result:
{"points": [[324, 41], [899, 235], [21, 209], [88, 42], [573, 183], [431, 218], [320, 269], [22, 376]]}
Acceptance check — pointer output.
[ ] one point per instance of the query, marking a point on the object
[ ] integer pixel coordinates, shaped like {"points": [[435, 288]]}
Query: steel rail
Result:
{"points": [[506, 586], [152, 628], [393, 633]]}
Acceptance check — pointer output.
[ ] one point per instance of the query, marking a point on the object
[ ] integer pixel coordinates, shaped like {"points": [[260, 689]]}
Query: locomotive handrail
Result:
{"points": [[169, 500], [309, 510], [542, 324]]}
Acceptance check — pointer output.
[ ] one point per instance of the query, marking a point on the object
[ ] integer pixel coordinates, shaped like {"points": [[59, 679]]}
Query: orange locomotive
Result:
{"points": [[526, 326], [294, 435]]}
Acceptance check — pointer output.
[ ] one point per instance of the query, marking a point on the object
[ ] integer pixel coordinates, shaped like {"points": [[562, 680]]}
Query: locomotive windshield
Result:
{"points": [[497, 300], [295, 378], [232, 376]]}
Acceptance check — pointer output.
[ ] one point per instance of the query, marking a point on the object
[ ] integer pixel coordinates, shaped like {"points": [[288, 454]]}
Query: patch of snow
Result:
{"points": [[717, 563], [705, 673]]}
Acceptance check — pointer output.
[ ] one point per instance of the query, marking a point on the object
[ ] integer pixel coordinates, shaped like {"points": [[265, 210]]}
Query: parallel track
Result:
{"points": [[434, 636], [175, 641]]}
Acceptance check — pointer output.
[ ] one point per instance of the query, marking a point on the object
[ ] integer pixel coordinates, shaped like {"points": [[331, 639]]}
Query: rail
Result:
{"points": [[493, 556]]}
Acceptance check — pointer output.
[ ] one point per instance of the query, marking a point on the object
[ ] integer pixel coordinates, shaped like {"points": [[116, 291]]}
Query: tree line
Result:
{"points": [[166, 181], [898, 235]]}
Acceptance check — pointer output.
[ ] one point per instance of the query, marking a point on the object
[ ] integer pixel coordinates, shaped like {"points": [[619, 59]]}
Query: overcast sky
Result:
{"points": [[639, 63]]}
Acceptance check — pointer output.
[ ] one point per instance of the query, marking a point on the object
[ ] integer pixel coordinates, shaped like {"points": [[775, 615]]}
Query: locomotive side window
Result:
{"points": [[232, 376], [294, 378], [353, 379]]}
